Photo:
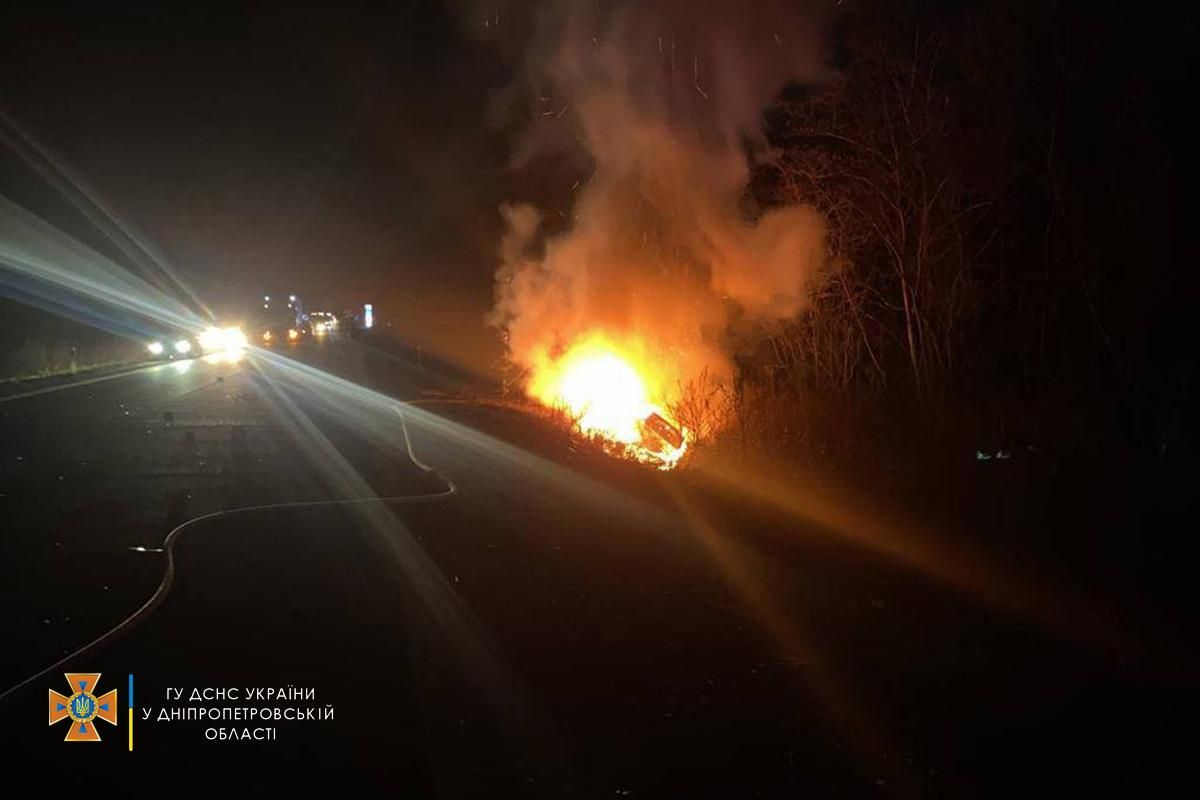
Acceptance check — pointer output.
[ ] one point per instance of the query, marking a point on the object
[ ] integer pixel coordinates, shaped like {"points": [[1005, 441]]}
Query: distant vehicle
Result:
{"points": [[279, 335], [222, 340], [323, 323], [171, 345]]}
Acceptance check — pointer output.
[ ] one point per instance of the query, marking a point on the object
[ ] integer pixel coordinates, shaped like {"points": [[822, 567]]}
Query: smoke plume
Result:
{"points": [[663, 101]]}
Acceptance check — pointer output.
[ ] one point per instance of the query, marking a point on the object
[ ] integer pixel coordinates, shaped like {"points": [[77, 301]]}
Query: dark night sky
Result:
{"points": [[343, 154]]}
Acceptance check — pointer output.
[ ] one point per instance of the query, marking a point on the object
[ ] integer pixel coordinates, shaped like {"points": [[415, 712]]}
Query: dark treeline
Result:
{"points": [[1005, 187]]}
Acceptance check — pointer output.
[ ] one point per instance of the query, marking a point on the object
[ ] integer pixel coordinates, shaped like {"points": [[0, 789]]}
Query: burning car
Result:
{"points": [[663, 444]]}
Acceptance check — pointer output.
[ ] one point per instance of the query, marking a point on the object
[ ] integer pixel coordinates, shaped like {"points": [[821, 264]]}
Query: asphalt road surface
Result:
{"points": [[507, 620]]}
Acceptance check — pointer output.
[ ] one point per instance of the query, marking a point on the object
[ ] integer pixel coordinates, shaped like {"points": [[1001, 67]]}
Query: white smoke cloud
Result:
{"points": [[666, 101]]}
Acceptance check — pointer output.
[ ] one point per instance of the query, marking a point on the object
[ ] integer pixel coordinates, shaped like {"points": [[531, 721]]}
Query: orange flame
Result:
{"points": [[605, 390]]}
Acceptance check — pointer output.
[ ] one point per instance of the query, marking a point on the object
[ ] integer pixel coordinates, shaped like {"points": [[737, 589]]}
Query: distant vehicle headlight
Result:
{"points": [[293, 335], [235, 339], [268, 336], [155, 348], [220, 339], [211, 339], [182, 346]]}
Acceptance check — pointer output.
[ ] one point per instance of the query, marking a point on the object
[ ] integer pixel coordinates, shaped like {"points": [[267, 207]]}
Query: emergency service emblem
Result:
{"points": [[83, 707]]}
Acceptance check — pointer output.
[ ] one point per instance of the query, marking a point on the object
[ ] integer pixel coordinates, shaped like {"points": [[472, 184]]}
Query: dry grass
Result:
{"points": [[705, 408]]}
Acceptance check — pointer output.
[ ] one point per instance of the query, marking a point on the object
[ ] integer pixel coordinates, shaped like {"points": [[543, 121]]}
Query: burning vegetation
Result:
{"points": [[660, 271], [818, 251], [603, 393]]}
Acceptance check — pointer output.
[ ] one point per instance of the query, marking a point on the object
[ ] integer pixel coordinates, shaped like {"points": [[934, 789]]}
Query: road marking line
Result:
{"points": [[76, 384]]}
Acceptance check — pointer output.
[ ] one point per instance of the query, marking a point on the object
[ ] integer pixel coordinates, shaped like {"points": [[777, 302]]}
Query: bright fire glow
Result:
{"points": [[607, 397]]}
